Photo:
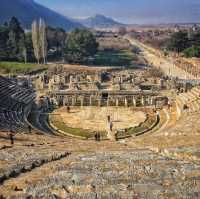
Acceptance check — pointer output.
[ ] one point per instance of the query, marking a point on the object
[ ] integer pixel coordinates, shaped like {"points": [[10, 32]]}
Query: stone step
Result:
{"points": [[142, 172], [195, 92], [184, 97], [191, 96]]}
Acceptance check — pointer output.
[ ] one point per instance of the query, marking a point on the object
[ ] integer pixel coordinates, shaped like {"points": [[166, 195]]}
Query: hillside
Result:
{"points": [[28, 10], [100, 21]]}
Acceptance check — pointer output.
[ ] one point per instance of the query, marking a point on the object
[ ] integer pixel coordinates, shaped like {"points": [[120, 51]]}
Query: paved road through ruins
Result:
{"points": [[167, 65]]}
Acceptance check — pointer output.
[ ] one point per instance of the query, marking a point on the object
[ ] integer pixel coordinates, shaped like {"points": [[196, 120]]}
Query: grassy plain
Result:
{"points": [[18, 67]]}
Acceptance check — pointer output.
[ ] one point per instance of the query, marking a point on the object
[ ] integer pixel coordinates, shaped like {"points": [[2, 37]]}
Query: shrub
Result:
{"points": [[193, 51]]}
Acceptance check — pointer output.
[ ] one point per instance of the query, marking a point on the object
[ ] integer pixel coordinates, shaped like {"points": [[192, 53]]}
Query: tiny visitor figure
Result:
{"points": [[68, 109], [29, 129], [11, 138], [11, 135]]}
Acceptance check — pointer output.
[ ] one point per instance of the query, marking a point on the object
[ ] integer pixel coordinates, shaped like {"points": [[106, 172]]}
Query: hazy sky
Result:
{"points": [[130, 11]]}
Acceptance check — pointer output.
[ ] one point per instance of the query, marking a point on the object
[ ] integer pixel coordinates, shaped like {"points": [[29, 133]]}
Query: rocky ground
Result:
{"points": [[39, 166], [161, 164]]}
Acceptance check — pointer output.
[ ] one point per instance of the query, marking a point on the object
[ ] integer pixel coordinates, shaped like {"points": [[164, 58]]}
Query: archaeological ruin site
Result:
{"points": [[88, 132]]}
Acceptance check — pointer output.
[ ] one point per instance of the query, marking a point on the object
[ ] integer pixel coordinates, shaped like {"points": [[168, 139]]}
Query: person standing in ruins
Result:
{"points": [[29, 129], [11, 138], [111, 126], [96, 137], [108, 118], [11, 135], [99, 137], [68, 109]]}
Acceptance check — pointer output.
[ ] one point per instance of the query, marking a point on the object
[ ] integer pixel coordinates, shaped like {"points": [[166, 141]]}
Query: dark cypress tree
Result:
{"points": [[3, 43], [29, 47], [16, 40]]}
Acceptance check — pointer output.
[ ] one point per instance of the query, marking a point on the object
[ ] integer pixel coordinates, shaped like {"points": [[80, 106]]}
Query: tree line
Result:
{"points": [[44, 42], [12, 41], [18, 45], [186, 43]]}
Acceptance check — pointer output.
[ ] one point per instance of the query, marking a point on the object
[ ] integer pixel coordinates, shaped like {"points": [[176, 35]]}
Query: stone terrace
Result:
{"points": [[56, 167], [163, 163]]}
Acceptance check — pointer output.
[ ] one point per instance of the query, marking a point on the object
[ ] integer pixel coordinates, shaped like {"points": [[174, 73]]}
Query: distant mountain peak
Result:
{"points": [[99, 16], [100, 21], [28, 10]]}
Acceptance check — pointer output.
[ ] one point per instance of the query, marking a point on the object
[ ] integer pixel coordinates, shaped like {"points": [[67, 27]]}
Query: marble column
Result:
{"points": [[90, 100], [125, 102], [82, 101], [152, 101], [73, 101], [117, 102], [143, 101], [108, 101], [134, 101]]}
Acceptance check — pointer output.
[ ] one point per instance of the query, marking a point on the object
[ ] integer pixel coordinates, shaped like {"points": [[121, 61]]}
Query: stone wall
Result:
{"points": [[106, 99]]}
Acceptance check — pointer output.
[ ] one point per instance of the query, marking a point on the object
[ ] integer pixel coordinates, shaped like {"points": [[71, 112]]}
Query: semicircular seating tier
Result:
{"points": [[15, 105]]}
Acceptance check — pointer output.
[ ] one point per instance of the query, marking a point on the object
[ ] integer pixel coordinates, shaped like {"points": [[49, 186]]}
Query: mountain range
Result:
{"points": [[28, 10], [100, 21]]}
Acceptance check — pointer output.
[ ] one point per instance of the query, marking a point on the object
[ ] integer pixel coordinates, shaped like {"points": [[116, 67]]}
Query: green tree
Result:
{"points": [[16, 40], [80, 45], [195, 38], [178, 42], [193, 51], [3, 43], [56, 37], [29, 47]]}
